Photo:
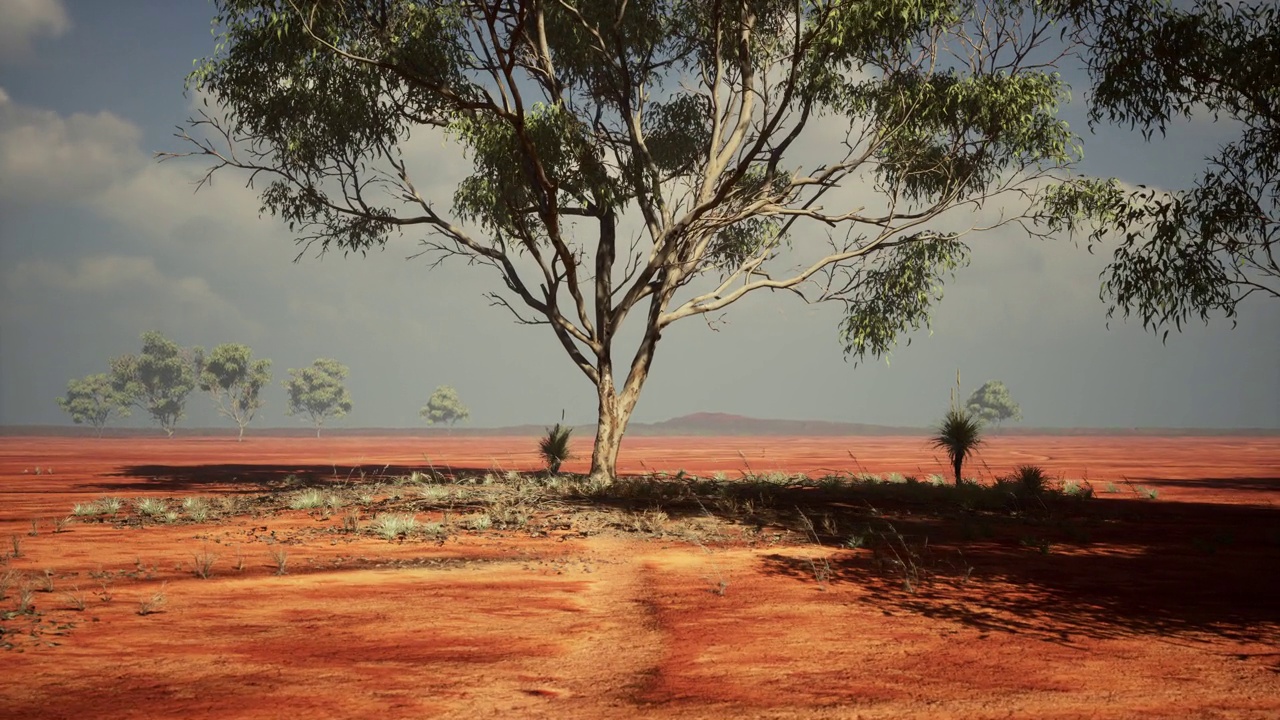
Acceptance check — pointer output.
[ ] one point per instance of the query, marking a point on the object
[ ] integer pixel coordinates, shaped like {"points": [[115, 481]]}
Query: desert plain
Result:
{"points": [[263, 579]]}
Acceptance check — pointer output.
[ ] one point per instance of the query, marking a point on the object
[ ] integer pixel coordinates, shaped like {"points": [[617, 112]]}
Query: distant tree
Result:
{"points": [[444, 407], [93, 400], [235, 381], [159, 379], [318, 392], [992, 403], [1204, 249]]}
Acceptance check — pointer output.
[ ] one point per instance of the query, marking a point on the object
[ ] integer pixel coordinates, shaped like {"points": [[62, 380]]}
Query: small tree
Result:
{"points": [[444, 407], [318, 391], [93, 400], [235, 382], [992, 403], [960, 433], [159, 379]]}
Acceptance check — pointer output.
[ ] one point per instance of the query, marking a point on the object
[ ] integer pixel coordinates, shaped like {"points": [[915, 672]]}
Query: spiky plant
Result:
{"points": [[1031, 479], [960, 433], [554, 448]]}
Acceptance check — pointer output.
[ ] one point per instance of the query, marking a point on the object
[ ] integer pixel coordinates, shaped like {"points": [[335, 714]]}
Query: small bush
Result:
{"points": [[1030, 479], [554, 448]]}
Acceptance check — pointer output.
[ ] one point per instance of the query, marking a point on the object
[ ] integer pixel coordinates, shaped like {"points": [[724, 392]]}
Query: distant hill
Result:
{"points": [[702, 424]]}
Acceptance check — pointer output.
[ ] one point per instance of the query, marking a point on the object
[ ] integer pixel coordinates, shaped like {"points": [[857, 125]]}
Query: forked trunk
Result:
{"points": [[615, 413]]}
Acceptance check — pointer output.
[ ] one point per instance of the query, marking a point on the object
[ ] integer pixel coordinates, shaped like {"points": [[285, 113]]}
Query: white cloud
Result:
{"points": [[22, 21], [48, 158]]}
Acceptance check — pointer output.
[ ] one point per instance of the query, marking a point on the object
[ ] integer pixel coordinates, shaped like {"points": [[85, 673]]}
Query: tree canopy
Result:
{"points": [[1202, 250], [93, 400], [836, 150], [992, 403], [157, 380], [235, 380], [318, 392], [444, 406]]}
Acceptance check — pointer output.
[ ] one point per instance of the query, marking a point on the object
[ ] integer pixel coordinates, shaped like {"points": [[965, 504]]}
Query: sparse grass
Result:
{"points": [[394, 525], [7, 579], [197, 508], [74, 598], [88, 509], [60, 524], [203, 565], [171, 516], [1146, 492], [478, 522], [154, 602], [308, 499], [351, 521], [280, 557], [110, 505], [35, 527], [15, 543], [26, 600], [1075, 488], [44, 581], [433, 493]]}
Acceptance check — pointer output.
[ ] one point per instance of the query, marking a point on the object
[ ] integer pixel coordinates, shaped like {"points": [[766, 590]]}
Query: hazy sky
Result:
{"points": [[99, 243]]}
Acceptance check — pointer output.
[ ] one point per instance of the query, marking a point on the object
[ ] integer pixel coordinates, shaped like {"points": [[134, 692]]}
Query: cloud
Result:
{"points": [[22, 21], [48, 158], [124, 291]]}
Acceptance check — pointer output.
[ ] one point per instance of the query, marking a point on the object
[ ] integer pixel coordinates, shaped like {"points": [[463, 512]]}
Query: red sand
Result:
{"points": [[1169, 610]]}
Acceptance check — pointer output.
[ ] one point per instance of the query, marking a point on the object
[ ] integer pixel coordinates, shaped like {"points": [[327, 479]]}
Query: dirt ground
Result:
{"points": [[1158, 597]]}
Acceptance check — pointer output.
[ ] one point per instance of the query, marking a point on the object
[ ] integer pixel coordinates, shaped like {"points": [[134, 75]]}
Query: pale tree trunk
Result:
{"points": [[241, 437], [616, 407]]}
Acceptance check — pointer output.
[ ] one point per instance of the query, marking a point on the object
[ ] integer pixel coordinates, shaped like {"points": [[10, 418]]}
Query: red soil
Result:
{"points": [[1168, 609]]}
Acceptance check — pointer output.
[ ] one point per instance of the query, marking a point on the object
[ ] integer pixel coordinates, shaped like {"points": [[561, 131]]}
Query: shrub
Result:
{"points": [[1030, 479], [554, 448]]}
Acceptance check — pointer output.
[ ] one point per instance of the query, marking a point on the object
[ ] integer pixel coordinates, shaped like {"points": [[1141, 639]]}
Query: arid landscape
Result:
{"points": [[259, 580]]}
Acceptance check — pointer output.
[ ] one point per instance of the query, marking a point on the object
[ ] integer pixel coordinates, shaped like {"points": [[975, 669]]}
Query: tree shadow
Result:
{"points": [[1115, 568]]}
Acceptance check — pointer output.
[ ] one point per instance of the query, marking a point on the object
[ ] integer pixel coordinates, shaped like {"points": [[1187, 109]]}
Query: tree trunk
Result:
{"points": [[959, 462], [241, 437], [615, 413]]}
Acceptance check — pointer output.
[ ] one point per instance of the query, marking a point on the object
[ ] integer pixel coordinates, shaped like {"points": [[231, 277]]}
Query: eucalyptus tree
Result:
{"points": [[837, 150], [1184, 251], [159, 379], [992, 403], [318, 392], [235, 380], [93, 400], [444, 406]]}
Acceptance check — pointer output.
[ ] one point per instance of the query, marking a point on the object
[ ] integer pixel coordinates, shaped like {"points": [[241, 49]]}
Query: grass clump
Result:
{"points": [[308, 499], [203, 566], [153, 603], [151, 507], [394, 525], [1029, 479]]}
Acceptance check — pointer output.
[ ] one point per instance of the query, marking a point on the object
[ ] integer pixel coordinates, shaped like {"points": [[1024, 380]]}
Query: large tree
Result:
{"points": [[93, 400], [235, 381], [1197, 250], [867, 134], [158, 379], [318, 392]]}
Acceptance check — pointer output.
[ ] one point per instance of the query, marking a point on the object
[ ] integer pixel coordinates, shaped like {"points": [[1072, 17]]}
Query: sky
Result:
{"points": [[100, 243]]}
